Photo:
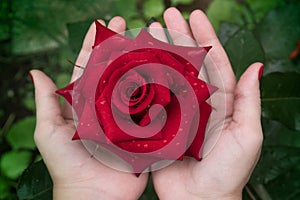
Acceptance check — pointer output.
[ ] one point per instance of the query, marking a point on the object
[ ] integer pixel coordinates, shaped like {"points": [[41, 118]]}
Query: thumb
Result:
{"points": [[247, 108], [47, 102]]}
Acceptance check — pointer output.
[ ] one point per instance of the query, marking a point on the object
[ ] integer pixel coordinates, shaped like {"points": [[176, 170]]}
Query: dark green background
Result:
{"points": [[41, 34]]}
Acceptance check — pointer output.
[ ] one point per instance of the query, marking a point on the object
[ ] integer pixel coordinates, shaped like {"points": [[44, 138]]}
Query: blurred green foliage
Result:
{"points": [[43, 33]]}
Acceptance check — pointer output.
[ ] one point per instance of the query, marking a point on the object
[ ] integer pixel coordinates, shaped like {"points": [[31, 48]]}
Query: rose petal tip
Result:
{"points": [[207, 48], [76, 136], [102, 33]]}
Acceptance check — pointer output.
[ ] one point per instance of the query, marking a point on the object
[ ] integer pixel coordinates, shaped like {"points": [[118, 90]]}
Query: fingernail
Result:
{"points": [[260, 72], [31, 77], [151, 20]]}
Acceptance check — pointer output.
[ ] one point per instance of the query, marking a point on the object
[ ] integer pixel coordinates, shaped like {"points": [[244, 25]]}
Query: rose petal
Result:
{"points": [[192, 55], [195, 149], [66, 92], [88, 126], [112, 130], [202, 89]]}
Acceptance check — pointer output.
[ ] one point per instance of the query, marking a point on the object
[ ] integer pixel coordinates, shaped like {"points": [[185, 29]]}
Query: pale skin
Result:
{"points": [[222, 174]]}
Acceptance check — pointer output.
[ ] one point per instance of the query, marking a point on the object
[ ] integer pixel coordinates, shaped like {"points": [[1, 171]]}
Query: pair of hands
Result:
{"points": [[222, 174]]}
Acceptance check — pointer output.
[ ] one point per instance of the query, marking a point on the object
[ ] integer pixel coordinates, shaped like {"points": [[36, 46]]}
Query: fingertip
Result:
{"points": [[247, 106], [117, 24], [155, 25], [157, 31], [196, 13], [252, 74], [171, 10]]}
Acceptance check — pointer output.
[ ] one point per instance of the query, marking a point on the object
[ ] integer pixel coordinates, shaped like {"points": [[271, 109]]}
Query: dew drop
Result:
{"points": [[195, 84], [138, 145], [177, 143], [165, 141], [145, 145]]}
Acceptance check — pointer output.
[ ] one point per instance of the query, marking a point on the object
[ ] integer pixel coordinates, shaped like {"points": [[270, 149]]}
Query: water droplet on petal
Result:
{"points": [[145, 145]]}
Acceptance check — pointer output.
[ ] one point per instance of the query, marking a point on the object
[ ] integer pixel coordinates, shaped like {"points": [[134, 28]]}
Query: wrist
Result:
{"points": [[69, 192], [223, 197]]}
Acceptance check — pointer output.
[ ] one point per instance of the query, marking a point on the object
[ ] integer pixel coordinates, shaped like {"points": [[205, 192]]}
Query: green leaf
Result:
{"points": [[20, 135], [286, 186], [5, 188], [243, 49], [153, 8], [260, 7], [278, 34], [135, 23], [62, 80], [224, 10], [280, 98], [41, 25], [275, 161], [277, 134], [5, 20], [124, 8], [35, 183], [76, 33], [227, 30], [13, 163], [176, 2], [149, 193]]}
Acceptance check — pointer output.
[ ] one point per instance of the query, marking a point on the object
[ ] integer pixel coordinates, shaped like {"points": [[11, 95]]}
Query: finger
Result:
{"points": [[117, 24], [178, 28], [216, 62], [82, 60], [157, 31], [247, 108], [85, 51], [47, 102]]}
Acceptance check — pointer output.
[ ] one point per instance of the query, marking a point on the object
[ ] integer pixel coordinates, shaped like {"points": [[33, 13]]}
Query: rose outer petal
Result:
{"points": [[195, 149]]}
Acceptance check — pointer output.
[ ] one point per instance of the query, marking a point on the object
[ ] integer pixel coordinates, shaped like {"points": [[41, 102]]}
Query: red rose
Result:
{"points": [[141, 98]]}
